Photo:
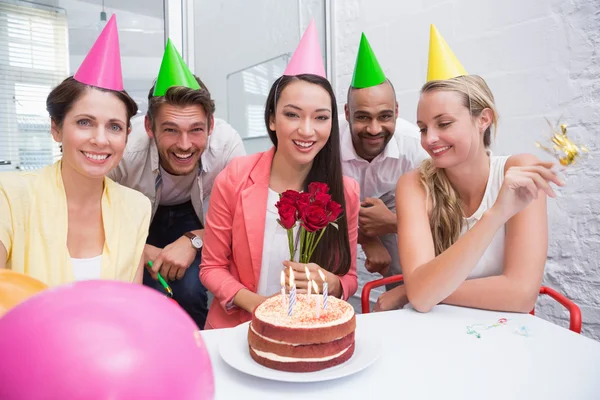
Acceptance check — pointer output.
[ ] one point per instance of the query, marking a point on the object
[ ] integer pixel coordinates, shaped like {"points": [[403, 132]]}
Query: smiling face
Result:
{"points": [[181, 134], [93, 133], [302, 121], [371, 114], [449, 133]]}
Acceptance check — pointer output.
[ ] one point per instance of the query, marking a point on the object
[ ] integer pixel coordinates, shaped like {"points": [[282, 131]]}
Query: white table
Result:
{"points": [[430, 356]]}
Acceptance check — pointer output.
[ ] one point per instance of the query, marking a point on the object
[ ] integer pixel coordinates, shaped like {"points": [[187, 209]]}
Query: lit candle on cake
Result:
{"points": [[325, 289], [283, 290], [309, 285], [292, 293], [317, 300]]}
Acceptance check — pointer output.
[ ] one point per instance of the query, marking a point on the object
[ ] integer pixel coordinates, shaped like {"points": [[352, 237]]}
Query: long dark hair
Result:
{"points": [[333, 251]]}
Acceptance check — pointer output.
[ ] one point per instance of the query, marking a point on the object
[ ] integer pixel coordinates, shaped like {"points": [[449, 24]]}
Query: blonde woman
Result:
{"points": [[472, 227]]}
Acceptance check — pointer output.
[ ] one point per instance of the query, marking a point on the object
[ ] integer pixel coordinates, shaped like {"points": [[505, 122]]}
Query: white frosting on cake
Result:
{"points": [[279, 342], [275, 357], [272, 312]]}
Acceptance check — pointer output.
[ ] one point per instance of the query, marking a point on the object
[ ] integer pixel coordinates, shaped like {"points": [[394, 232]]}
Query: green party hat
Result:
{"points": [[173, 72], [367, 71]]}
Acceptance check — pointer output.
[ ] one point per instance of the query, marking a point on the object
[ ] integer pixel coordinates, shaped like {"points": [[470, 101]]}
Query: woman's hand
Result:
{"points": [[247, 300], [392, 299], [521, 186], [334, 287]]}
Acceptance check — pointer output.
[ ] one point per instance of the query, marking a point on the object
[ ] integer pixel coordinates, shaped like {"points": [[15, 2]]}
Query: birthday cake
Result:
{"points": [[302, 341]]}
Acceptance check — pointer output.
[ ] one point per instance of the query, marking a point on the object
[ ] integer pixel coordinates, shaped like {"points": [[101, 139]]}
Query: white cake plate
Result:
{"points": [[233, 348]]}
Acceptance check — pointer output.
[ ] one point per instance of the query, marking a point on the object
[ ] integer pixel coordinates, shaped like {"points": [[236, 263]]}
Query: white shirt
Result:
{"points": [[378, 178], [491, 262], [275, 250], [87, 268], [176, 189]]}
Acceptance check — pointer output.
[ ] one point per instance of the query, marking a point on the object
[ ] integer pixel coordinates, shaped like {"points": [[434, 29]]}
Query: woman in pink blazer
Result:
{"points": [[244, 248]]}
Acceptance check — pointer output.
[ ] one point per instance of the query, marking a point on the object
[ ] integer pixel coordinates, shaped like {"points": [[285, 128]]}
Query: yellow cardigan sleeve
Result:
{"points": [[6, 221], [143, 228], [131, 214]]}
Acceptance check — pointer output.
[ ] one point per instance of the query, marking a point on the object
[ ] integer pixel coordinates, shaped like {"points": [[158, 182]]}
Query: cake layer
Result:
{"points": [[306, 335], [273, 361], [271, 320], [264, 344]]}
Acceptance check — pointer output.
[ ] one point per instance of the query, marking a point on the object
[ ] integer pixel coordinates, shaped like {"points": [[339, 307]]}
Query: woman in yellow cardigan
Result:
{"points": [[68, 221]]}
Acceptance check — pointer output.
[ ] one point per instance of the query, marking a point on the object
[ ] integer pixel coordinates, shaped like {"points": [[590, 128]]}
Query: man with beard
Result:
{"points": [[173, 156], [377, 148]]}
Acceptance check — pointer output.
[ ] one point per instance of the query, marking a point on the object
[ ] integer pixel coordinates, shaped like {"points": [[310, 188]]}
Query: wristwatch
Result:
{"points": [[196, 241]]}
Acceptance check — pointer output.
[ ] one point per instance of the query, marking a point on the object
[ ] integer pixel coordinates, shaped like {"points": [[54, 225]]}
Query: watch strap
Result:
{"points": [[189, 235]]}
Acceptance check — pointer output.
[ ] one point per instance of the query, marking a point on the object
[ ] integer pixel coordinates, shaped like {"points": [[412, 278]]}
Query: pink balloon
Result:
{"points": [[102, 340]]}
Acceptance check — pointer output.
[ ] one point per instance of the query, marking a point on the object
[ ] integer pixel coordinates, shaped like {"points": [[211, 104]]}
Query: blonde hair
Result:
{"points": [[446, 216]]}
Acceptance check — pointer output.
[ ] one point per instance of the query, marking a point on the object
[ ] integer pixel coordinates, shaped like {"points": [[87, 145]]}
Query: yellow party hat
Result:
{"points": [[443, 64]]}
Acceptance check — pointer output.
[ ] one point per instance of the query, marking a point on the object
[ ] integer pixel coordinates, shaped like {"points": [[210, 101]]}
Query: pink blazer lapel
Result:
{"points": [[254, 208]]}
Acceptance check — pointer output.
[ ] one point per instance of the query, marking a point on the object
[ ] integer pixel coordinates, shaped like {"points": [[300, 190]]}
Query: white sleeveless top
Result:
{"points": [[87, 268], [491, 262], [275, 250]]}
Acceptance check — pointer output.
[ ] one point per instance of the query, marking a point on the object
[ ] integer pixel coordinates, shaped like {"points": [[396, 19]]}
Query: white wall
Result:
{"points": [[141, 34], [231, 36], [541, 59], [141, 37]]}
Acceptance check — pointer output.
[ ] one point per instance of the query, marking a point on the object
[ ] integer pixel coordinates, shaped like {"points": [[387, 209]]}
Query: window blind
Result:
{"points": [[34, 58]]}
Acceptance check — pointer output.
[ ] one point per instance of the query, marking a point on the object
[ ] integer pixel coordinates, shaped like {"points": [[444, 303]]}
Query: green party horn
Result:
{"points": [[162, 281]]}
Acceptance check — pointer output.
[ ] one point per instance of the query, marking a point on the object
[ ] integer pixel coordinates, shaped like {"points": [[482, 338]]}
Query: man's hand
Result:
{"points": [[378, 258], [392, 299], [150, 254], [174, 259], [375, 219]]}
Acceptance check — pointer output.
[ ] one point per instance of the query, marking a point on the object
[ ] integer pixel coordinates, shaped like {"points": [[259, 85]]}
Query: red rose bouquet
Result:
{"points": [[313, 210]]}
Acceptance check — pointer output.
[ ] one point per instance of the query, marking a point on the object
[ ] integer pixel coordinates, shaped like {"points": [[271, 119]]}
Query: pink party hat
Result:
{"points": [[102, 66], [307, 57]]}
